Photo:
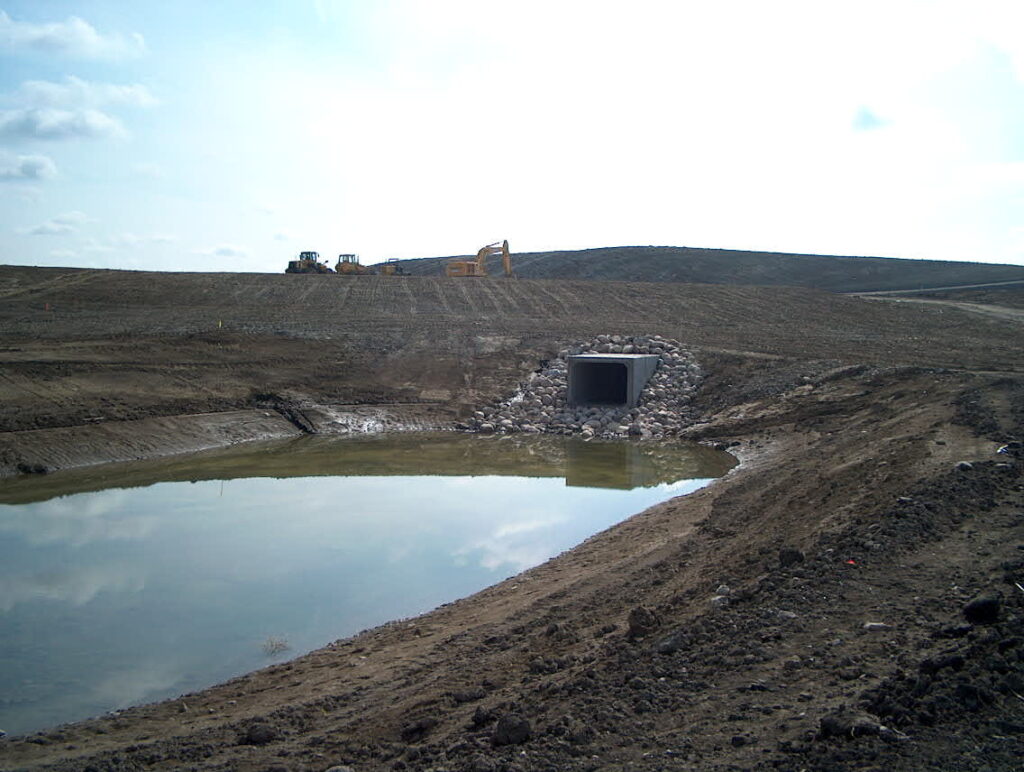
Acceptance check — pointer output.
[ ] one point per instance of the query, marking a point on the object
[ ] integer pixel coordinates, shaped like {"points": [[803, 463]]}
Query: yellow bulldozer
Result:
{"points": [[349, 265], [478, 266], [308, 262]]}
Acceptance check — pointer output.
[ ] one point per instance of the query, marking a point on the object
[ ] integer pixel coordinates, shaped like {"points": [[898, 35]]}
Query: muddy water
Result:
{"points": [[128, 584]]}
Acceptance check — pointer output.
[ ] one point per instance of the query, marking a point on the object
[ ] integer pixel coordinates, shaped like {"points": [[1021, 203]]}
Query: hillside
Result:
{"points": [[728, 266], [810, 610]]}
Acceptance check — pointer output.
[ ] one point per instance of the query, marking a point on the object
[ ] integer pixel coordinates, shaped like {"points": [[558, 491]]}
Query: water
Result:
{"points": [[130, 584]]}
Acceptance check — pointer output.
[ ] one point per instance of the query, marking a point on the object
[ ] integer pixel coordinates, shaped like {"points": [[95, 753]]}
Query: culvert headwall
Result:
{"points": [[612, 380], [652, 397]]}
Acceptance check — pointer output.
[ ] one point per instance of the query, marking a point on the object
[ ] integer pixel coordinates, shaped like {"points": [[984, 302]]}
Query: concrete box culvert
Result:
{"points": [[609, 379]]}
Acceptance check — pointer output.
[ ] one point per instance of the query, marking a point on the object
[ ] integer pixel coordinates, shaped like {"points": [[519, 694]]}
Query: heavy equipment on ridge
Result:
{"points": [[308, 262], [478, 266], [349, 265]]}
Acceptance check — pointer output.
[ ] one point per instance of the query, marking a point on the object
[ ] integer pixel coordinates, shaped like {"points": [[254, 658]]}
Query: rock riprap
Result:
{"points": [[540, 404]]}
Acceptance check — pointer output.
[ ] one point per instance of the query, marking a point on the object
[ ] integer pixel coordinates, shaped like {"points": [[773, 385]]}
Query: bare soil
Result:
{"points": [[734, 266], [807, 611]]}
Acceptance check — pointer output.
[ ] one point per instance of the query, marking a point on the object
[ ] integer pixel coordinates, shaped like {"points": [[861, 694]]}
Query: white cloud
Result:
{"points": [[151, 170], [75, 92], [282, 237], [71, 37], [63, 254], [61, 225], [229, 251], [224, 250], [129, 239], [26, 167], [76, 586], [52, 124]]}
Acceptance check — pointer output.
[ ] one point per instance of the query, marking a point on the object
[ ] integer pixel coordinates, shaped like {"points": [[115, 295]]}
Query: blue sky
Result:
{"points": [[231, 135]]}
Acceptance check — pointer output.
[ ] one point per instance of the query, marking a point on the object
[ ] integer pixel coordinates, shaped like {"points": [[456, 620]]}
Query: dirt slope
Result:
{"points": [[725, 630], [730, 266]]}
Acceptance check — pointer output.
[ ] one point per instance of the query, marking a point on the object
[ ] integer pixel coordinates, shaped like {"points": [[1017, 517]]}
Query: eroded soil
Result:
{"points": [[804, 612]]}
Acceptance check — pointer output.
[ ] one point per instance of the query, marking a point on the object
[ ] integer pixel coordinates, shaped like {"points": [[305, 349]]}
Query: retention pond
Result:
{"points": [[122, 585]]}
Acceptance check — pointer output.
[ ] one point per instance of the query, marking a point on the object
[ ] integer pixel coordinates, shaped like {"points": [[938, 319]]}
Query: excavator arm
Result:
{"points": [[478, 266]]}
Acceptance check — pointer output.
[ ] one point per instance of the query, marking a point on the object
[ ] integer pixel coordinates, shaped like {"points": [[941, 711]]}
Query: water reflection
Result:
{"points": [[115, 596]]}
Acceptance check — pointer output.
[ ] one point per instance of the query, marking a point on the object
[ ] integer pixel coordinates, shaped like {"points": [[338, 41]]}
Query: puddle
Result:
{"points": [[122, 585]]}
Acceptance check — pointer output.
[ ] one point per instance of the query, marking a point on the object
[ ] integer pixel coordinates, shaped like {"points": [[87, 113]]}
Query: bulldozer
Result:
{"points": [[349, 265], [391, 268], [478, 266], [308, 262]]}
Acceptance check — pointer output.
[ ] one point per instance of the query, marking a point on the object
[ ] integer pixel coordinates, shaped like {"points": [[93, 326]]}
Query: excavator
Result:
{"points": [[478, 266]]}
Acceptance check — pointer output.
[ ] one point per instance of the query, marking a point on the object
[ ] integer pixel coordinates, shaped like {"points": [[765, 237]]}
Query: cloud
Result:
{"points": [[51, 124], [227, 250], [75, 92], [76, 586], [282, 237], [151, 170], [62, 224], [26, 167], [63, 254], [71, 37], [865, 120], [133, 240]]}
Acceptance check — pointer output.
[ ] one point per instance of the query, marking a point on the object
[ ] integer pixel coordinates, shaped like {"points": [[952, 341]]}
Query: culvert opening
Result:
{"points": [[609, 379], [600, 383]]}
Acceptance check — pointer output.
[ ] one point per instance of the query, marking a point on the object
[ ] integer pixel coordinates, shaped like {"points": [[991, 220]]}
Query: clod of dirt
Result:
{"points": [[983, 610], [847, 725], [482, 716], [259, 734], [642, 621], [481, 764], [790, 557], [511, 730], [417, 730]]}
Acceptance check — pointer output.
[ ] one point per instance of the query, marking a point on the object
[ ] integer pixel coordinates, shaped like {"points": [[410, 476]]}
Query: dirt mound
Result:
{"points": [[730, 266]]}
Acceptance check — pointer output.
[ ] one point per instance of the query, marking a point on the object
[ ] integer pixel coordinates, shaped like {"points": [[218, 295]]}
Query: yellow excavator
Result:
{"points": [[478, 266]]}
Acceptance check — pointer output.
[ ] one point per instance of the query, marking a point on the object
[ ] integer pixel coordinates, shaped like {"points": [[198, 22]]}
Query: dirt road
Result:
{"points": [[807, 611], [1005, 313]]}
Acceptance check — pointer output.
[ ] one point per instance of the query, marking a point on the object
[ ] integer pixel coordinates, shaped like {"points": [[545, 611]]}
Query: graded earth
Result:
{"points": [[851, 596]]}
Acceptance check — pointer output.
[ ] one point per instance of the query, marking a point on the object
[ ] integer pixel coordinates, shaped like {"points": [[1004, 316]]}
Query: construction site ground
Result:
{"points": [[880, 490]]}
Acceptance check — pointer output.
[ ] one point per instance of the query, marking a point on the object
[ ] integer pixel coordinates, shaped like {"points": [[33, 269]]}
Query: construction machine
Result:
{"points": [[308, 262], [349, 265], [478, 266], [390, 268]]}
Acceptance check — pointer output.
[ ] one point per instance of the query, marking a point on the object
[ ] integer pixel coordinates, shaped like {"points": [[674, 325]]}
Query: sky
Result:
{"points": [[230, 135]]}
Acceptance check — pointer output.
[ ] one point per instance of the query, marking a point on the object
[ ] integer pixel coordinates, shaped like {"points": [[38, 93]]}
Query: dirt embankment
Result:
{"points": [[804, 612], [734, 266]]}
